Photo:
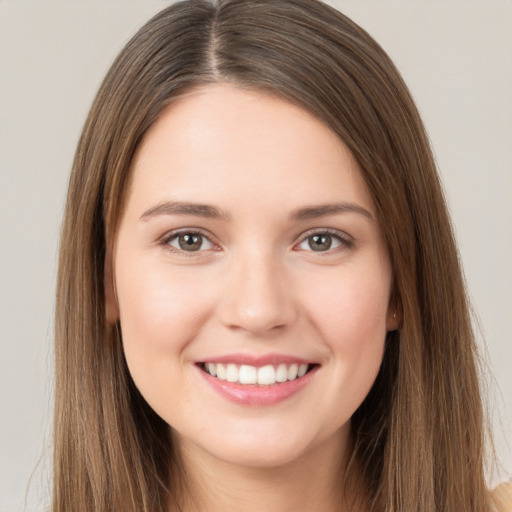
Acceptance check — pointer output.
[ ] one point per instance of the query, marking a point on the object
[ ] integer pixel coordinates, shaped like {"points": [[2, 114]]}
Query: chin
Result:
{"points": [[267, 447], [257, 456]]}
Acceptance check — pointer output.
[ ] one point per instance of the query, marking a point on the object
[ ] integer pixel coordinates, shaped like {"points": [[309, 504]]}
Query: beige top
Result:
{"points": [[502, 497]]}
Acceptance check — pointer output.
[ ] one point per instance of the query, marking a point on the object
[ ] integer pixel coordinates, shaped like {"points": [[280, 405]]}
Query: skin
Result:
{"points": [[255, 286]]}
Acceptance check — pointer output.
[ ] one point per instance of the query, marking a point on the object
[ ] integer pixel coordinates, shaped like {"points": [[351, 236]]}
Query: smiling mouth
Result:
{"points": [[267, 375]]}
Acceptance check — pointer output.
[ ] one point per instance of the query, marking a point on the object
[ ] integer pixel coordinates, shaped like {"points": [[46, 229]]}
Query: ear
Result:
{"points": [[393, 318], [111, 306], [393, 315]]}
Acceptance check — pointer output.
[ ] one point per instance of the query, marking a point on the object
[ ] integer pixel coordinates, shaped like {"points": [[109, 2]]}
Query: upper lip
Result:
{"points": [[256, 360]]}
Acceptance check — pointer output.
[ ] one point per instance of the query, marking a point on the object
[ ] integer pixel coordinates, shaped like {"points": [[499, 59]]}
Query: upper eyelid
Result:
{"points": [[165, 242], [169, 235], [342, 235], [344, 239], [328, 231]]}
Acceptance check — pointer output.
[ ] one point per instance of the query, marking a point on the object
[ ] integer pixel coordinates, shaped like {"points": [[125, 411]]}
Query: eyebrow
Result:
{"points": [[184, 208], [211, 212], [313, 212]]}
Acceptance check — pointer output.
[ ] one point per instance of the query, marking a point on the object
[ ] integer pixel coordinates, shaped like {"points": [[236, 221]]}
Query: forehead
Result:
{"points": [[222, 142]]}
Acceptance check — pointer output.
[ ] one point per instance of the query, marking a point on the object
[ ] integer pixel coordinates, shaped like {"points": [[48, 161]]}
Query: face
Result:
{"points": [[252, 279]]}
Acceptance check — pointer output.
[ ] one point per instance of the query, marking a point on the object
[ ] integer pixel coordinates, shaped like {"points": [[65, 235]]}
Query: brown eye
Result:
{"points": [[320, 242], [190, 242], [324, 241]]}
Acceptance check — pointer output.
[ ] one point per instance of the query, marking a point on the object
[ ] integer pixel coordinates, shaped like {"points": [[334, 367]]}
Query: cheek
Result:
{"points": [[161, 311], [350, 305], [159, 302], [349, 310]]}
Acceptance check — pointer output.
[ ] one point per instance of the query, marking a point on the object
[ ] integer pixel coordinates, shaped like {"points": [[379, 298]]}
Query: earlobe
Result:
{"points": [[394, 312], [393, 319], [111, 306]]}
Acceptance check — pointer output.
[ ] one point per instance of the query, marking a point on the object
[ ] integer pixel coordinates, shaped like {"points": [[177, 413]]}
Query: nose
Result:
{"points": [[258, 296]]}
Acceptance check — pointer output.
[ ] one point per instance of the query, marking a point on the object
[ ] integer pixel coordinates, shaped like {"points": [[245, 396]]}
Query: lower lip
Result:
{"points": [[252, 394]]}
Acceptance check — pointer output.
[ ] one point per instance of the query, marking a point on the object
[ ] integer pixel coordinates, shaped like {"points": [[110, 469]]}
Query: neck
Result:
{"points": [[313, 481]]}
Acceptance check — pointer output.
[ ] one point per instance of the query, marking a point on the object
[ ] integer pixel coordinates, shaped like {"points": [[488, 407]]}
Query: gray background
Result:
{"points": [[456, 57]]}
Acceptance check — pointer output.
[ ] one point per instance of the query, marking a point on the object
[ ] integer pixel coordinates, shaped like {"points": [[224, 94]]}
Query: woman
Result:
{"points": [[263, 307]]}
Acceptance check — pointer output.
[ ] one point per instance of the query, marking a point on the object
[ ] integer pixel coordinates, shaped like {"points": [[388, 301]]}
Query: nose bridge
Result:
{"points": [[257, 298]]}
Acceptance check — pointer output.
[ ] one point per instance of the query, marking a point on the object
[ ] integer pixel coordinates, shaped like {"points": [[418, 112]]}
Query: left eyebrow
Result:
{"points": [[185, 208], [313, 212]]}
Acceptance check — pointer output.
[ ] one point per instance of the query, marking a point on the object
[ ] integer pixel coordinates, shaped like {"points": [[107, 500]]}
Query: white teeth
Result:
{"points": [[232, 373], [292, 371], [221, 372], [248, 374], [264, 376], [282, 373], [212, 369]]}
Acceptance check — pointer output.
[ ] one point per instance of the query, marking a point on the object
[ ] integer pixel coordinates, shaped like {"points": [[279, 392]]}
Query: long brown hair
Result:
{"points": [[419, 435]]}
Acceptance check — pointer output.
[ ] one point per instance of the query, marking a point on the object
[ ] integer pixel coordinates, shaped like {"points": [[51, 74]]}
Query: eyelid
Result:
{"points": [[346, 241], [172, 235]]}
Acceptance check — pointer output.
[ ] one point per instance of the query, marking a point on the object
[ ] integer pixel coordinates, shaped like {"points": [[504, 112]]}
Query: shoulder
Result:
{"points": [[501, 497]]}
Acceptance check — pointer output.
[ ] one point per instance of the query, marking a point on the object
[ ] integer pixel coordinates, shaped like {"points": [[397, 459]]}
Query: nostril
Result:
{"points": [[256, 298], [257, 320]]}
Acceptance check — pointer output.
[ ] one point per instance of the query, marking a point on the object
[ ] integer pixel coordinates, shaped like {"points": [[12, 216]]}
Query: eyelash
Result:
{"points": [[345, 242], [169, 237]]}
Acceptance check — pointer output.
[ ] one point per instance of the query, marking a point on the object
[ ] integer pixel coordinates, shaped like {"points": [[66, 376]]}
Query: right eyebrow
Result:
{"points": [[313, 212], [185, 208]]}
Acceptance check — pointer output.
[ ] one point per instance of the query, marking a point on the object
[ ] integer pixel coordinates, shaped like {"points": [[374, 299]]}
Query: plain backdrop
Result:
{"points": [[456, 57]]}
